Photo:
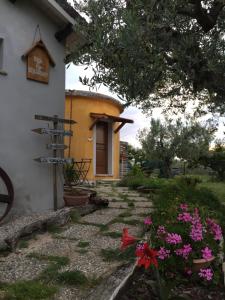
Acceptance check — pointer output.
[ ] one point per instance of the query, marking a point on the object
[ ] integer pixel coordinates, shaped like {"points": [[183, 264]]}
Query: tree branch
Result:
{"points": [[206, 19]]}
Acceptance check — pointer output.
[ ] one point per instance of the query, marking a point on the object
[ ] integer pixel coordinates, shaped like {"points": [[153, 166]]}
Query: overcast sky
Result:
{"points": [[129, 131]]}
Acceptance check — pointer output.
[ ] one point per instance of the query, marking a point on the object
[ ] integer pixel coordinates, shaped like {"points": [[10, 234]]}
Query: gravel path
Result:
{"points": [[82, 243]]}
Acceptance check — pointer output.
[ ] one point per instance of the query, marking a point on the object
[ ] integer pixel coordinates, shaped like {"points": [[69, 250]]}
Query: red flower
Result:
{"points": [[147, 256], [127, 239]]}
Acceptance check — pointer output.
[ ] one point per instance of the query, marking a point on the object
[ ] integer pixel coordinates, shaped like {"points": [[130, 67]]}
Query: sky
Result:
{"points": [[129, 132]]}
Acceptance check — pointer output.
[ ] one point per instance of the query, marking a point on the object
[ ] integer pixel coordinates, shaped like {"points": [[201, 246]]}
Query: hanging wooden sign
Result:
{"points": [[54, 160], [53, 131], [38, 62]]}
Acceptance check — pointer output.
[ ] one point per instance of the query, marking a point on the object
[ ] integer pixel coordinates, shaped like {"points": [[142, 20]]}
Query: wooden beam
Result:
{"points": [[119, 127], [93, 124], [109, 117]]}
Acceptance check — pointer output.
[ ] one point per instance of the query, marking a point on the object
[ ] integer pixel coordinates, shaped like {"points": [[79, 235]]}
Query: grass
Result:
{"points": [[74, 216], [125, 214], [52, 228], [113, 234], [218, 188], [82, 251], [102, 227], [75, 278], [118, 255], [28, 290], [55, 264], [83, 244], [124, 221], [23, 244]]}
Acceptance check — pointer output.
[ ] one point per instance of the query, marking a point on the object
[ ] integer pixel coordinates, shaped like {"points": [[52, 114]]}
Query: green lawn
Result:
{"points": [[216, 187]]}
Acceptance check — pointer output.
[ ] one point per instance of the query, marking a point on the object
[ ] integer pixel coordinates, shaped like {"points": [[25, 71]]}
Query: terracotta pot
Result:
{"points": [[76, 200], [201, 263]]}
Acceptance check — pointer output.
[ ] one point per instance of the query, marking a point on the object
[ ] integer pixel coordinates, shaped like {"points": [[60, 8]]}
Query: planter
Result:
{"points": [[201, 263], [76, 200]]}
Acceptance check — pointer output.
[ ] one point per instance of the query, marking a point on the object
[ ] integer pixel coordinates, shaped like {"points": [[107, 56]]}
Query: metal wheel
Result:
{"points": [[6, 194]]}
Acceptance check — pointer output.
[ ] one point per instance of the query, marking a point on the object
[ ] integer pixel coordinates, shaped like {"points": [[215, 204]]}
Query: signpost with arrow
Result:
{"points": [[55, 133]]}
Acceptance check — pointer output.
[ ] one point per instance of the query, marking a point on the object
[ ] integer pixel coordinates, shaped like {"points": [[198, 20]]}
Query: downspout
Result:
{"points": [[71, 114]]}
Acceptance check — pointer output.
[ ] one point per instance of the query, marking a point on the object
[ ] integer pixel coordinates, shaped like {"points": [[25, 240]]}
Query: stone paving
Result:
{"points": [[82, 242]]}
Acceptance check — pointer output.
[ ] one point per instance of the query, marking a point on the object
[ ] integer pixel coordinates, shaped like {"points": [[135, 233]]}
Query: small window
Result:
{"points": [[1, 53]]}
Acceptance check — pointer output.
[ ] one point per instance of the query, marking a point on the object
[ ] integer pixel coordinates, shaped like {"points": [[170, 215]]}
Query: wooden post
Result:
{"points": [[55, 140]]}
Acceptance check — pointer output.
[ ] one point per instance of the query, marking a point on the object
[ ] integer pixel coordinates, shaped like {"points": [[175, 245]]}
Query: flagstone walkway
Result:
{"points": [[85, 244]]}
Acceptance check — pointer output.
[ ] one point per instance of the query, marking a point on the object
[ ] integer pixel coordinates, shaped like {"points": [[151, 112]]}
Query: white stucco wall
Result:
{"points": [[21, 99]]}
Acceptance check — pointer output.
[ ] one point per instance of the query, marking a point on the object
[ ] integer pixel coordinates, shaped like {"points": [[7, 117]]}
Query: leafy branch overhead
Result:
{"points": [[156, 53]]}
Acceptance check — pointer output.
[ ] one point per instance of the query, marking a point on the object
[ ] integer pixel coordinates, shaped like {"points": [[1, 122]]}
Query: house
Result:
{"points": [[33, 46], [96, 138]]}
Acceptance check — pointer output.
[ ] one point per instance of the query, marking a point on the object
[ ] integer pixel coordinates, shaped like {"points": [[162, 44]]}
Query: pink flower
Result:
{"points": [[206, 253], [196, 233], [173, 238], [184, 207], [196, 229], [140, 247], [215, 229], [189, 272], [163, 253], [184, 217], [206, 274], [161, 230], [148, 221], [184, 252]]}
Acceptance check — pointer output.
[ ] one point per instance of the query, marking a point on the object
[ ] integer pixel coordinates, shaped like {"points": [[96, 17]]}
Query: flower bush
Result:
{"points": [[179, 242], [185, 238]]}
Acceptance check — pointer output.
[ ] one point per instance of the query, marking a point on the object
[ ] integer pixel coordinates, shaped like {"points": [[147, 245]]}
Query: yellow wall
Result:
{"points": [[82, 142]]}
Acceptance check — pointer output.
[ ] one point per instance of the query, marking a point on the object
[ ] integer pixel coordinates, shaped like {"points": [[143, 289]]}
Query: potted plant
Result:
{"points": [[73, 196]]}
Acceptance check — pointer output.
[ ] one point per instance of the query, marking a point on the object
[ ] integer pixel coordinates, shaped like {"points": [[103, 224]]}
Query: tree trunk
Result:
{"points": [[167, 168]]}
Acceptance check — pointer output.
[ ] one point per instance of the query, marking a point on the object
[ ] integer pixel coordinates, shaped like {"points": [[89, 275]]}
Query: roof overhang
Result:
{"points": [[105, 117], [55, 11]]}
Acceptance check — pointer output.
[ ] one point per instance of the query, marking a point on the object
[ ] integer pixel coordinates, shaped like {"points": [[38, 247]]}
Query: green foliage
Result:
{"points": [[218, 188], [165, 141], [118, 255], [135, 155], [216, 161], [76, 278], [54, 228], [74, 216], [23, 244], [134, 182], [113, 234], [70, 174], [83, 244], [28, 290], [156, 53], [55, 264], [182, 190]]}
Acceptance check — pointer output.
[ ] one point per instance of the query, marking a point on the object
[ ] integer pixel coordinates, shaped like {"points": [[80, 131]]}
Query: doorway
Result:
{"points": [[102, 148]]}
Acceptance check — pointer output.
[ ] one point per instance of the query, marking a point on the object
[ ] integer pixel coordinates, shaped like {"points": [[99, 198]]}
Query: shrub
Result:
{"points": [[136, 181], [181, 190]]}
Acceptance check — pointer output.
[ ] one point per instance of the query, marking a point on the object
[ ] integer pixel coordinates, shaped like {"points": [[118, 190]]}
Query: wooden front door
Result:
{"points": [[102, 148]]}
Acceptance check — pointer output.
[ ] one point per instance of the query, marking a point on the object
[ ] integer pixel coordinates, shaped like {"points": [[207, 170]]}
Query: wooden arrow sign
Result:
{"points": [[54, 160], [53, 131], [56, 146], [54, 119]]}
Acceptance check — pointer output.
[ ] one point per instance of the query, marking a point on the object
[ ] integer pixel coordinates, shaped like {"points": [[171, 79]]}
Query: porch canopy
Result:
{"points": [[105, 117]]}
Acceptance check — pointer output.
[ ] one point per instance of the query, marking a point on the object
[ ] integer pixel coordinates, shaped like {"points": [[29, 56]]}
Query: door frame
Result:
{"points": [[110, 149]]}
